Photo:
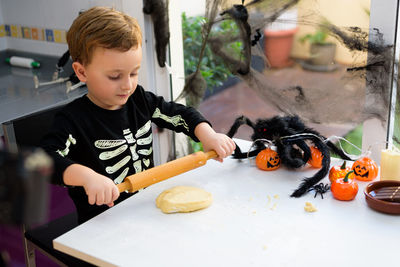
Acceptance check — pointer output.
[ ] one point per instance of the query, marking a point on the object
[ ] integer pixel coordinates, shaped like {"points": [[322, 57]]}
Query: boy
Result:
{"points": [[104, 136]]}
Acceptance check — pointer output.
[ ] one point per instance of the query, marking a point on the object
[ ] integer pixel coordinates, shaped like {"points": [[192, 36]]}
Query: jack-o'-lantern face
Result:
{"points": [[273, 161], [268, 160], [365, 169], [361, 170]]}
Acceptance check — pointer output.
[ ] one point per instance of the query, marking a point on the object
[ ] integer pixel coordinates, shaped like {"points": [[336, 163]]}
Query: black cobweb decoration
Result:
{"points": [[158, 10], [250, 18], [238, 63]]}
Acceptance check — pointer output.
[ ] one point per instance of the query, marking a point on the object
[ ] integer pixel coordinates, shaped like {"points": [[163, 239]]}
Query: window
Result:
{"points": [[347, 95]]}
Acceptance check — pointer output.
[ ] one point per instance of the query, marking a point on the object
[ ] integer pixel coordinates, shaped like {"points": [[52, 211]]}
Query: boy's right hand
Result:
{"points": [[100, 190]]}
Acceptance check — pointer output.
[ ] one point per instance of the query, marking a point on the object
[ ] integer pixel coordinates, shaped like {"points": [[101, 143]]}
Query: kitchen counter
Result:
{"points": [[253, 221], [18, 96]]}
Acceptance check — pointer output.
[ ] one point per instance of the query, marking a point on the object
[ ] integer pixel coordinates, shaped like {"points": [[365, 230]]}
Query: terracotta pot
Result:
{"points": [[277, 47], [322, 54]]}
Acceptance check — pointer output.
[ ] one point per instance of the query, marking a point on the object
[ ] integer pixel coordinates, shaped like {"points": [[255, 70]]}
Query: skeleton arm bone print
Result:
{"points": [[176, 120], [70, 140]]}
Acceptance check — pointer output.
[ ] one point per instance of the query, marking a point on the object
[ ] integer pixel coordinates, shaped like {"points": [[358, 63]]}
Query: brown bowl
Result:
{"points": [[378, 204]]}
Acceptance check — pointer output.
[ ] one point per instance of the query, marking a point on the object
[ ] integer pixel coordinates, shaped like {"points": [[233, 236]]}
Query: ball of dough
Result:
{"points": [[183, 199]]}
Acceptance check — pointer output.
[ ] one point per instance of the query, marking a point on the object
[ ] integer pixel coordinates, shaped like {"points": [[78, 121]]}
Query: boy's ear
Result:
{"points": [[80, 71]]}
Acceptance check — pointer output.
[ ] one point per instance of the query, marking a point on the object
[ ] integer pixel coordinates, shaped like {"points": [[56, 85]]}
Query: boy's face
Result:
{"points": [[111, 76]]}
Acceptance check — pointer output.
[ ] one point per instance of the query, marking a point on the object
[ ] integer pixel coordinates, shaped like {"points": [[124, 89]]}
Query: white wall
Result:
{"points": [[192, 7], [54, 14], [59, 14]]}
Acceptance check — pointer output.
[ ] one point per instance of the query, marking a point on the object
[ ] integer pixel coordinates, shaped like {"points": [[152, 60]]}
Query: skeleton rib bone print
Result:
{"points": [[105, 144], [143, 130], [146, 162], [145, 152], [120, 146], [111, 154], [122, 176], [146, 140], [137, 165], [118, 165]]}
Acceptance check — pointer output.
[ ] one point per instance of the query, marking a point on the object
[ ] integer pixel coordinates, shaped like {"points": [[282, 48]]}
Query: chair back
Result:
{"points": [[27, 131]]}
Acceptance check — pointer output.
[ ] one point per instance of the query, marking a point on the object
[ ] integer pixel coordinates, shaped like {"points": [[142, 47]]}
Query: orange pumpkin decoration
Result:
{"points": [[365, 169], [338, 171], [268, 160], [344, 188], [316, 157]]}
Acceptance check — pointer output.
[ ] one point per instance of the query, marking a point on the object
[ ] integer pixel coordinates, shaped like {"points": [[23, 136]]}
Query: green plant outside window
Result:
{"points": [[212, 68]]}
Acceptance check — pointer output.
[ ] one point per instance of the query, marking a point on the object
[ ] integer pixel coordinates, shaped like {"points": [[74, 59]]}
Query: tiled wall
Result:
{"points": [[39, 26], [33, 33]]}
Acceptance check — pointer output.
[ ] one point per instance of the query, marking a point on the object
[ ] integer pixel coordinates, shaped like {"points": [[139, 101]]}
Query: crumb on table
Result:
{"points": [[309, 207]]}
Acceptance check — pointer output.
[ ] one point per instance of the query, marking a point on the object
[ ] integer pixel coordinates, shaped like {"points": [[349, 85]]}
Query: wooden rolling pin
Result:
{"points": [[167, 170]]}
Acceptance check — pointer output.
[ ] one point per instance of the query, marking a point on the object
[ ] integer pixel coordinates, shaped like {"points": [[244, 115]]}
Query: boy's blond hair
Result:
{"points": [[102, 27]]}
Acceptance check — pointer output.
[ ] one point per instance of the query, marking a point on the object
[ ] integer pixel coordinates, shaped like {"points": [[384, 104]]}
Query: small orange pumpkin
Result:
{"points": [[338, 171], [344, 188], [365, 169], [316, 157], [268, 160]]}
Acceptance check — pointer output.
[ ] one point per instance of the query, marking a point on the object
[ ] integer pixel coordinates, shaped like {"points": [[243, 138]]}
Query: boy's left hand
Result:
{"points": [[221, 143]]}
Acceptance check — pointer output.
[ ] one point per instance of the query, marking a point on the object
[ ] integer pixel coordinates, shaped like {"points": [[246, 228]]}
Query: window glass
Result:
{"points": [[318, 59]]}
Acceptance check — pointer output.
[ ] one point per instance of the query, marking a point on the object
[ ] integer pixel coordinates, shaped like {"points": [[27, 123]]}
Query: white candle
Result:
{"points": [[390, 165]]}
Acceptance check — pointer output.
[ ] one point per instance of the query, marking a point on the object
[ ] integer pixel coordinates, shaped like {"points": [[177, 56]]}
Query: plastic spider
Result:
{"points": [[320, 188], [292, 138]]}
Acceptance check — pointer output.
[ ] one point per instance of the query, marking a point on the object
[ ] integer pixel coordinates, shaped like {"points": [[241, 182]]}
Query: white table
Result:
{"points": [[245, 226]]}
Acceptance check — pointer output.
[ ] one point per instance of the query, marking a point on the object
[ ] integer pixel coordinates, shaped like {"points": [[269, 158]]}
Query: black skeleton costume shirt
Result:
{"points": [[115, 143]]}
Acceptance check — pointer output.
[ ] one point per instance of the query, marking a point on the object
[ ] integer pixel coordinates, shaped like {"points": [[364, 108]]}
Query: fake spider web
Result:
{"points": [[318, 106]]}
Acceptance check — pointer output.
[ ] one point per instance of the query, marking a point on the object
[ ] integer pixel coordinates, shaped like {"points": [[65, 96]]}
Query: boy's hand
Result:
{"points": [[221, 143], [100, 190]]}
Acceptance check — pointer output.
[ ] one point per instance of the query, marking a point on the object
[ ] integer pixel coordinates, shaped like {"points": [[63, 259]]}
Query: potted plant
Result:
{"points": [[278, 39], [322, 51]]}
